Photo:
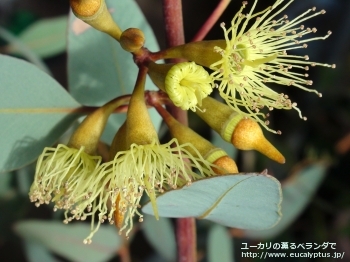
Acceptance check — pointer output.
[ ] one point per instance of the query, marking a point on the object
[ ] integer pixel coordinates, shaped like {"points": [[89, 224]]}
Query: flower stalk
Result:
{"points": [[185, 227]]}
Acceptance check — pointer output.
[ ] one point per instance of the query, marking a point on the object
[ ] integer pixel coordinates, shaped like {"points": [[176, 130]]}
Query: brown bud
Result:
{"points": [[96, 14], [248, 136], [227, 164], [85, 8], [132, 39]]}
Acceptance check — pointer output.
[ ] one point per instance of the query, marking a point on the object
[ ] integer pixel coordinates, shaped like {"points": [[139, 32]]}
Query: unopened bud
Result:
{"points": [[132, 40], [248, 136], [96, 14], [207, 150], [225, 163], [90, 130]]}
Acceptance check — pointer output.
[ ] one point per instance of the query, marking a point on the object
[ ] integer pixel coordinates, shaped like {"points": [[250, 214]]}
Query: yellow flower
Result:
{"points": [[67, 177], [151, 168], [187, 84], [257, 55]]}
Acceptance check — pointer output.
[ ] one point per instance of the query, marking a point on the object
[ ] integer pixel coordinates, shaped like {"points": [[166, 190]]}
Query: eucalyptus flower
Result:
{"points": [[152, 169], [187, 84], [67, 177], [259, 55]]}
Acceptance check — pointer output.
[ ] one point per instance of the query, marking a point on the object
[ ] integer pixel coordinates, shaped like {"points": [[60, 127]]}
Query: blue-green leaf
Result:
{"points": [[24, 177], [297, 192], [248, 201], [36, 252], [67, 240], [160, 235], [24, 50], [46, 37], [34, 111], [220, 245], [99, 69]]}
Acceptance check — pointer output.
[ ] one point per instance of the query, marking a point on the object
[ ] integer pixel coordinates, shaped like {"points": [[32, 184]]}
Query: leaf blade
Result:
{"points": [[220, 245], [46, 37], [161, 236], [27, 93], [67, 240], [250, 196], [297, 193]]}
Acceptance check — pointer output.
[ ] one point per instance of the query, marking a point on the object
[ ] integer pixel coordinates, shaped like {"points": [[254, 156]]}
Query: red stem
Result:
{"points": [[211, 20], [186, 239], [185, 227], [173, 22]]}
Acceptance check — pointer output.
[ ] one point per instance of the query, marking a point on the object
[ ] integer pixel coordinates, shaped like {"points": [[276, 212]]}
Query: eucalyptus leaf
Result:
{"points": [[36, 252], [23, 49], [297, 193], [220, 245], [24, 178], [34, 111], [99, 69], [67, 240], [248, 201], [160, 234], [46, 37]]}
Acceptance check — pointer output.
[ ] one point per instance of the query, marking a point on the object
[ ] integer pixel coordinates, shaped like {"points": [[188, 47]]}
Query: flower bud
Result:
{"points": [[157, 73], [132, 39], [248, 135], [119, 142], [244, 134], [201, 52], [90, 130], [96, 14], [219, 117], [139, 127], [219, 158], [210, 153]]}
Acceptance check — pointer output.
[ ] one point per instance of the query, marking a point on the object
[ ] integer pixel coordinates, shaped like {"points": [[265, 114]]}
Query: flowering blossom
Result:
{"points": [[68, 177], [259, 54], [150, 168], [187, 84]]}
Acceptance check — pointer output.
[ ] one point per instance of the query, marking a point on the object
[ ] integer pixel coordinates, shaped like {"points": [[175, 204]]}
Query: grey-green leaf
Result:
{"points": [[99, 69], [160, 235], [36, 252], [297, 193], [46, 37], [248, 201], [34, 111], [220, 245], [67, 240]]}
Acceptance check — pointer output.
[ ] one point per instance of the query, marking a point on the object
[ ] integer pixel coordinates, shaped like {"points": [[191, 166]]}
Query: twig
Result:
{"points": [[185, 227], [173, 22], [213, 18]]}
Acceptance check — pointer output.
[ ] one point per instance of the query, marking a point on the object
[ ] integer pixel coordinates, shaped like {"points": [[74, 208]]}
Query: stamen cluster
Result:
{"points": [[152, 169], [258, 55]]}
